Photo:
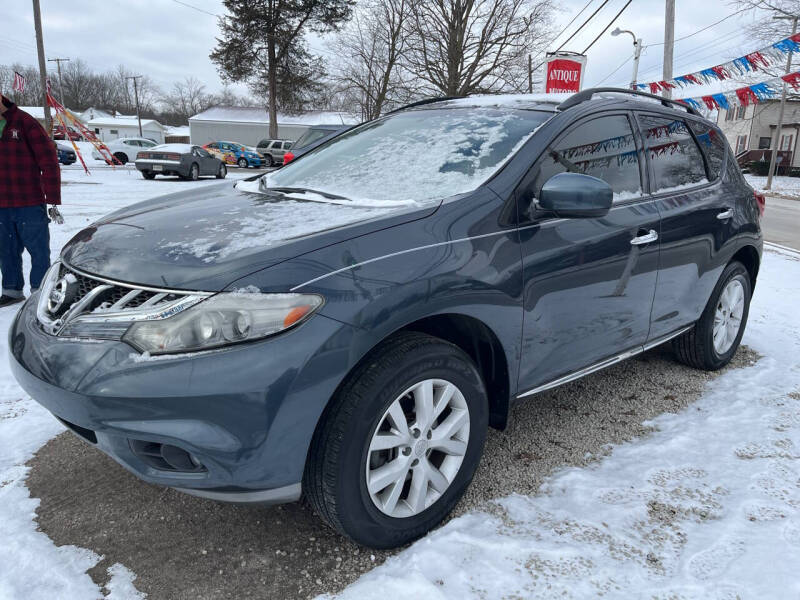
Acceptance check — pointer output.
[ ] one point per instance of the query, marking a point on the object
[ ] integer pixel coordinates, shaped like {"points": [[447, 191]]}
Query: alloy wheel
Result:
{"points": [[417, 448], [728, 316]]}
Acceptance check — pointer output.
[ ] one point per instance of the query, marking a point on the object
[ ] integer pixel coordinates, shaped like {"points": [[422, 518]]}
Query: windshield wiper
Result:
{"points": [[299, 190]]}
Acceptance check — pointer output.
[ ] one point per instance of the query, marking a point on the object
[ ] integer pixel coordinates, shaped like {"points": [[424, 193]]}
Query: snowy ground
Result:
{"points": [[30, 565], [788, 187], [706, 507]]}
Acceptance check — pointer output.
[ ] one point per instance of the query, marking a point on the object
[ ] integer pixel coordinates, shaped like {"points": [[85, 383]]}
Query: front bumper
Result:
{"points": [[246, 413]]}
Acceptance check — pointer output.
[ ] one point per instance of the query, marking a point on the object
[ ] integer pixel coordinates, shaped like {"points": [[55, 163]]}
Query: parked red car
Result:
{"points": [[60, 134]]}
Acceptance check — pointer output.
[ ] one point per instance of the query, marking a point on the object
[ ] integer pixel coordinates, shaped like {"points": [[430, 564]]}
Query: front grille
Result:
{"points": [[74, 304], [112, 298]]}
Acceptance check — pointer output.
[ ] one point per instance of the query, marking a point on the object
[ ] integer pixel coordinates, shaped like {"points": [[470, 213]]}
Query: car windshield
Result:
{"points": [[311, 136], [412, 156]]}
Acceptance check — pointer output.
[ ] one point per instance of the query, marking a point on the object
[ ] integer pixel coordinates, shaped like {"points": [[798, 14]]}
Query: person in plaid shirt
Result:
{"points": [[30, 179]]}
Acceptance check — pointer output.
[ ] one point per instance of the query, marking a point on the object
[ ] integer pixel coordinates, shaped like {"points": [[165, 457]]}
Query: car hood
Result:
{"points": [[206, 239]]}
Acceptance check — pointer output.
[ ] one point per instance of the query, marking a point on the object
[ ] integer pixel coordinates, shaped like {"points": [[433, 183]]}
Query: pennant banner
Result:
{"points": [[749, 63], [19, 83], [750, 94]]}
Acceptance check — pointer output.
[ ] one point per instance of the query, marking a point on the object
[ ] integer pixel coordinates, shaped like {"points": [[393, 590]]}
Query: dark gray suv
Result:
{"points": [[348, 326]]}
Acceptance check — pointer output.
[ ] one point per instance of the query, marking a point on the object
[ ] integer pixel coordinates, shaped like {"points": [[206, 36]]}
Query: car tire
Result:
{"points": [[340, 459], [242, 163], [121, 157], [222, 172], [269, 160], [712, 342], [194, 172], [148, 174]]}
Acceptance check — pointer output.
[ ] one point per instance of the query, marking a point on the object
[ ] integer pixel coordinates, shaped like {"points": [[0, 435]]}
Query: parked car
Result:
{"points": [[313, 137], [60, 134], [273, 151], [183, 160], [125, 149], [234, 154], [66, 153], [349, 325]]}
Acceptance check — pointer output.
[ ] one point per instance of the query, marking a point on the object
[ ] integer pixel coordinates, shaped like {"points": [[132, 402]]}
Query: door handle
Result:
{"points": [[648, 237], [725, 214]]}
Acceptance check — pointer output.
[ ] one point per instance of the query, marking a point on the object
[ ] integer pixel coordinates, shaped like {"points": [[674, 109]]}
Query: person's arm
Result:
{"points": [[46, 157]]}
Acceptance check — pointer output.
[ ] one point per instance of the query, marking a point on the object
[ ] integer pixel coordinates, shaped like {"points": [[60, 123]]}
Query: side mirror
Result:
{"points": [[576, 195]]}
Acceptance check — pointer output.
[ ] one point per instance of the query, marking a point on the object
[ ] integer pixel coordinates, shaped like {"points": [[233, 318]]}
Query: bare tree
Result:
{"points": [[461, 47], [370, 53]]}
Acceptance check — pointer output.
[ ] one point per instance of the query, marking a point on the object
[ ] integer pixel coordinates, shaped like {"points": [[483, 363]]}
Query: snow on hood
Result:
{"points": [[204, 239]]}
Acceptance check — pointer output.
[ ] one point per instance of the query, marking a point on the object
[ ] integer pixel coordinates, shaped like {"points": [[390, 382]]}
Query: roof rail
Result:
{"points": [[587, 94], [423, 102]]}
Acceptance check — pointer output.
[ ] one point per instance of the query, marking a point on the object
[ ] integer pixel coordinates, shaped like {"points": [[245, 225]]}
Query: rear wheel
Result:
{"points": [[242, 163], [712, 342], [121, 157], [399, 443], [148, 175], [194, 172]]}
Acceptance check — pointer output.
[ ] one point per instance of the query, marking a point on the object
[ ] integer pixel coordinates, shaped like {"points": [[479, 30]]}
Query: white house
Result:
{"points": [[249, 125], [111, 128]]}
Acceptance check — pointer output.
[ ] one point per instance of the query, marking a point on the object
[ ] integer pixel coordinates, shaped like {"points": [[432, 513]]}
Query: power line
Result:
{"points": [[625, 62], [607, 26], [686, 37], [560, 33], [195, 8]]}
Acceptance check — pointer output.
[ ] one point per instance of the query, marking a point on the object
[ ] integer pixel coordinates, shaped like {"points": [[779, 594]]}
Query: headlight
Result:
{"points": [[224, 319]]}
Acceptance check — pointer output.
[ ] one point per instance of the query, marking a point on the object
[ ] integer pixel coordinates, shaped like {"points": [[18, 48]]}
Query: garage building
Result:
{"points": [[249, 125]]}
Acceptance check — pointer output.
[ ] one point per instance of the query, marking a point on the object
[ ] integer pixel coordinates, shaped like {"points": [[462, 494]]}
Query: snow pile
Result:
{"points": [[707, 507]]}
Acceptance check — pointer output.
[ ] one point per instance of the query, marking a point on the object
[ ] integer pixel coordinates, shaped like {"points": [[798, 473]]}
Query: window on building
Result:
{"points": [[740, 112], [113, 131], [673, 153], [741, 143], [729, 114], [786, 142], [764, 143], [603, 147]]}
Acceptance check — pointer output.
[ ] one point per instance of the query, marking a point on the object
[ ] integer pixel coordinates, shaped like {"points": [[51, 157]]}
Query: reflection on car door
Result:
{"points": [[697, 210], [588, 282]]}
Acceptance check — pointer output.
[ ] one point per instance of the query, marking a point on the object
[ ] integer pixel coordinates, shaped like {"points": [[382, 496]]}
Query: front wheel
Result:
{"points": [[399, 443], [712, 342], [269, 160], [223, 171]]}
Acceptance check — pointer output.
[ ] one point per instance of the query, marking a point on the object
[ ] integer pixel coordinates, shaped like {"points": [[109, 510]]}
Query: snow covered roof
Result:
{"points": [[257, 114], [182, 131], [37, 112], [509, 100], [123, 122]]}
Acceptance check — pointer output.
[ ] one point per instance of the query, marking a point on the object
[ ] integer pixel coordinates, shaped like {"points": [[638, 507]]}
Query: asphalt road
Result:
{"points": [[181, 547], [781, 222]]}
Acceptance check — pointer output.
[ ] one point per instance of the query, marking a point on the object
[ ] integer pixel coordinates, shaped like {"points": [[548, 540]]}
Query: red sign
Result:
{"points": [[563, 75]]}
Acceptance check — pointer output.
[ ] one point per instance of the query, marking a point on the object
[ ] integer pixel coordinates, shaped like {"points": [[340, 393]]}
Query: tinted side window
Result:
{"points": [[673, 153], [712, 143], [603, 147]]}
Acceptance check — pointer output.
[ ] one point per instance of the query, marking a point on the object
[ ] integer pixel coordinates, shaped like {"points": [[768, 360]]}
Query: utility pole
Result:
{"points": [[669, 43], [773, 159], [37, 24], [58, 62], [136, 95]]}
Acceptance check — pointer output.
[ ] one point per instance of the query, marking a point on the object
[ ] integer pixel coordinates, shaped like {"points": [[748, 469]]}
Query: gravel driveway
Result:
{"points": [[184, 547]]}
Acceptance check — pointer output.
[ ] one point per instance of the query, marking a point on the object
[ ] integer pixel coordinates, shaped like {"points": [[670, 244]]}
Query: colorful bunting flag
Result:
{"points": [[744, 96], [749, 63]]}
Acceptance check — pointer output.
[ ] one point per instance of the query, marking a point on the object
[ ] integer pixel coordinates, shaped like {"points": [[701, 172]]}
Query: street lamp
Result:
{"points": [[637, 50]]}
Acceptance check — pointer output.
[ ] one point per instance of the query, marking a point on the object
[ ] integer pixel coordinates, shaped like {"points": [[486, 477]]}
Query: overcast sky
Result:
{"points": [[168, 40]]}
